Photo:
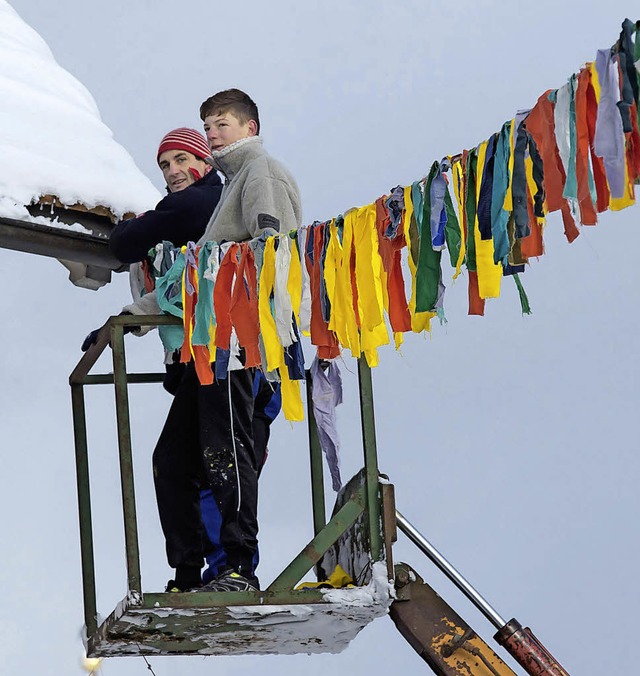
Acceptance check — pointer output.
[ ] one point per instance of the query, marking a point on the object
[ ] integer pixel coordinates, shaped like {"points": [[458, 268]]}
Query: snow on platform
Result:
{"points": [[197, 623]]}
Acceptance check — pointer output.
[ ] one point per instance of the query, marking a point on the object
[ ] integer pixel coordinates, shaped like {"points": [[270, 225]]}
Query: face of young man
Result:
{"points": [[175, 166], [223, 130]]}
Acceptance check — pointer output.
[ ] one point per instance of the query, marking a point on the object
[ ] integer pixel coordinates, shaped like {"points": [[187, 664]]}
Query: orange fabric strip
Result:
{"points": [[202, 363], [540, 124], [570, 228], [633, 147], [588, 214], [222, 296], [243, 310], [390, 252], [199, 353], [321, 336], [532, 244], [476, 304]]}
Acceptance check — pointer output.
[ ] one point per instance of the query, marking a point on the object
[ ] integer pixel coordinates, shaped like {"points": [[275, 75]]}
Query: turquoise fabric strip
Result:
{"points": [[169, 293], [204, 312], [500, 217]]}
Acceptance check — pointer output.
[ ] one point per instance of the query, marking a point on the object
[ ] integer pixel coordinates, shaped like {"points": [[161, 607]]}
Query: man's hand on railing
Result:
{"points": [[90, 340], [93, 336]]}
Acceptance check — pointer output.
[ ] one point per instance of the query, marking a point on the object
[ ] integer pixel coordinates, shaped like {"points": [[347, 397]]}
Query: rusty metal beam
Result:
{"points": [[437, 633]]}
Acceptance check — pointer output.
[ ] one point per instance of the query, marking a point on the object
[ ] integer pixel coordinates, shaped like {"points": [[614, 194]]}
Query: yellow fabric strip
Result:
{"points": [[385, 303], [337, 579], [368, 266], [628, 199], [595, 81], [331, 260], [196, 286], [272, 346], [373, 329], [346, 325], [212, 341], [489, 274], [373, 339], [385, 290], [618, 203], [291, 397], [294, 281], [186, 321]]}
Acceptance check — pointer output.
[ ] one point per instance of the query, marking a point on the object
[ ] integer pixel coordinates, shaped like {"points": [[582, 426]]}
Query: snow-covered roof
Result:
{"points": [[52, 140]]}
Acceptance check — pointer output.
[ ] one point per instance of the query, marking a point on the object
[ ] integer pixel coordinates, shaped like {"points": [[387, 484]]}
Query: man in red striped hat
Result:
{"points": [[182, 151], [181, 216], [193, 193]]}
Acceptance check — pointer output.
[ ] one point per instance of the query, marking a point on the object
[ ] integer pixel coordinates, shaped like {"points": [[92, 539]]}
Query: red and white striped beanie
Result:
{"points": [[187, 139]]}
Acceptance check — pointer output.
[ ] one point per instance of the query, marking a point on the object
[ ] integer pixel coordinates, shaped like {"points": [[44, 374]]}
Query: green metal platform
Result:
{"points": [[199, 623], [279, 620]]}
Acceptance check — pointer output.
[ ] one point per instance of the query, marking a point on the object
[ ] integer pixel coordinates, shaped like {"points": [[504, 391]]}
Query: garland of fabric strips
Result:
{"points": [[344, 281]]}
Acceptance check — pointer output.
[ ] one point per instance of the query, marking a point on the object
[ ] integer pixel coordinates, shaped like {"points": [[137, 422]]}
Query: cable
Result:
{"points": [[146, 661], [233, 442]]}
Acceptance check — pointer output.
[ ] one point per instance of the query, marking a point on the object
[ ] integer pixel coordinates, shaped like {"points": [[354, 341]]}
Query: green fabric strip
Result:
{"points": [[452, 229], [515, 256], [524, 301], [470, 208], [416, 221], [428, 268]]}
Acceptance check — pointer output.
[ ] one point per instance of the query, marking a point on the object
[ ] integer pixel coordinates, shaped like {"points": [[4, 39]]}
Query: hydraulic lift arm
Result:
{"points": [[437, 633], [443, 638]]}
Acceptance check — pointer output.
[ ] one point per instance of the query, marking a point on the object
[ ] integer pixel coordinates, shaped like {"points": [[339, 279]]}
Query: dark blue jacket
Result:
{"points": [[180, 217]]}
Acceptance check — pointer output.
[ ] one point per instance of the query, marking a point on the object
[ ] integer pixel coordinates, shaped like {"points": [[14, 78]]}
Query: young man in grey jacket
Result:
{"points": [[259, 194], [209, 426]]}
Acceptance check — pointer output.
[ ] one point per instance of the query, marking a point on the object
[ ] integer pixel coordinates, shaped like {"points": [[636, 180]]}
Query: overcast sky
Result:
{"points": [[511, 440]]}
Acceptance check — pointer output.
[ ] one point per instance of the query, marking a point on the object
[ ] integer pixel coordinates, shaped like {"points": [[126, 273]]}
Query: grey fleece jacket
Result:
{"points": [[259, 195]]}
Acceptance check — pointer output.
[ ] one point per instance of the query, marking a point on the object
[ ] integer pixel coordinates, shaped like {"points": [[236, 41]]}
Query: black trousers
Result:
{"points": [[207, 442]]}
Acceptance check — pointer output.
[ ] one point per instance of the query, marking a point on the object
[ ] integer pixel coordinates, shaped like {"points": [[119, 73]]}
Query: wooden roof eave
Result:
{"points": [[90, 248]]}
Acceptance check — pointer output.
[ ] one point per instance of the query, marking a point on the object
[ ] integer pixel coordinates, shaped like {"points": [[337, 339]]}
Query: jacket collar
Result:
{"points": [[229, 160]]}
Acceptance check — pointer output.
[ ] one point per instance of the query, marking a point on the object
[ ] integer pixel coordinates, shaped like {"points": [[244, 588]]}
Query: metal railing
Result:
{"points": [[367, 500]]}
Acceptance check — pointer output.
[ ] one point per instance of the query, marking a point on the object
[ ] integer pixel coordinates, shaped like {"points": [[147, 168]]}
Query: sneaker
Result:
{"points": [[173, 588], [229, 581]]}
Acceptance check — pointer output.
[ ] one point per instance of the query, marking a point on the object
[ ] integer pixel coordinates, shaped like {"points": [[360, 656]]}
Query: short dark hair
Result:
{"points": [[232, 101]]}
